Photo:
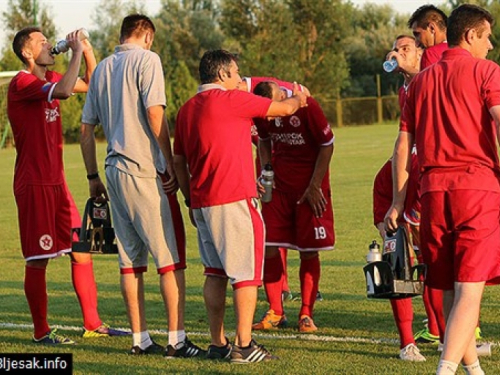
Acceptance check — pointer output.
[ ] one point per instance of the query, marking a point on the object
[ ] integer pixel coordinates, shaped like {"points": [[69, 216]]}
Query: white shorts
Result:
{"points": [[143, 223], [231, 241]]}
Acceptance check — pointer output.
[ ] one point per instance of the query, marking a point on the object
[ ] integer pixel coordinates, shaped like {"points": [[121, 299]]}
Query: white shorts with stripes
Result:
{"points": [[231, 241], [143, 223]]}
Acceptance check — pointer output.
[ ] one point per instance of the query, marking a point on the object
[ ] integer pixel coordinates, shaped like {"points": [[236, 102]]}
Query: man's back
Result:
{"points": [[123, 86], [213, 131], [448, 111]]}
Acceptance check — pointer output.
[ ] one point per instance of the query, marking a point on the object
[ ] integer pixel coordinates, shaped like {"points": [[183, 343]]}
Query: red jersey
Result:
{"points": [[36, 125], [432, 55], [296, 143], [447, 112], [212, 131]]}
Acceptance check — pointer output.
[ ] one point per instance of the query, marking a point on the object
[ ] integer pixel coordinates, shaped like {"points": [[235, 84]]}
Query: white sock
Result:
{"points": [[141, 339], [473, 369], [446, 367], [176, 337]]}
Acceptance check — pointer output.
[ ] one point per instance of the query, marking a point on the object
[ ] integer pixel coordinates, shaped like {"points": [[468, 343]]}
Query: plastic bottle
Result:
{"points": [[266, 179], [390, 65], [374, 254], [62, 45]]}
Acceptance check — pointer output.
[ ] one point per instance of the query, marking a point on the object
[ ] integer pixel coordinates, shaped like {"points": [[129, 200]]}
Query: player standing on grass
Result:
{"points": [[300, 214], [452, 113], [127, 97], [46, 210], [213, 162], [405, 49]]}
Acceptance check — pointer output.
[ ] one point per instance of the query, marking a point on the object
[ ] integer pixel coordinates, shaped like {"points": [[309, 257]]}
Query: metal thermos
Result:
{"points": [[266, 179]]}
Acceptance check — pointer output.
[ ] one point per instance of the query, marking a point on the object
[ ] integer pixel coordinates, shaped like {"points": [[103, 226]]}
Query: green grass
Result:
{"points": [[344, 313]]}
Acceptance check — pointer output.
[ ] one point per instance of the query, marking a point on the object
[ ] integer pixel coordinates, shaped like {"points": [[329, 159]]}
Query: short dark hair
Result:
{"points": [[426, 14], [464, 18], [264, 89], [135, 25], [212, 62], [20, 40]]}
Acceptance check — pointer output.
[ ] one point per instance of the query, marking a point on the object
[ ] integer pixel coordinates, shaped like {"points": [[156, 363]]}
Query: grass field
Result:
{"points": [[356, 336]]}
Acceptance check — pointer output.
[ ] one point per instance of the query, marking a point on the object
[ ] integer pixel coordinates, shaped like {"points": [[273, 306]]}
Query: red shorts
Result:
{"points": [[46, 215], [460, 237], [294, 226]]}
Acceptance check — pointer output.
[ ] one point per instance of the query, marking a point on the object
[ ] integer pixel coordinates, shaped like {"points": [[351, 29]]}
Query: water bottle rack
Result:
{"points": [[394, 276]]}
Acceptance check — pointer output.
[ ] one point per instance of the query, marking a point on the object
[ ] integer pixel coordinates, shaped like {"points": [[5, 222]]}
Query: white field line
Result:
{"points": [[305, 337]]}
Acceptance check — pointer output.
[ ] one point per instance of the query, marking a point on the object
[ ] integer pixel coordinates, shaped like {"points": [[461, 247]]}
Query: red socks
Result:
{"points": [[402, 310], [273, 283], [436, 322], [309, 283], [82, 275], [35, 289]]}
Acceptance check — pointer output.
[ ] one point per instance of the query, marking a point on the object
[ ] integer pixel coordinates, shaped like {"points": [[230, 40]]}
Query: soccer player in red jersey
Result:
{"points": [[300, 214], [214, 166], [46, 210], [452, 113], [428, 24]]}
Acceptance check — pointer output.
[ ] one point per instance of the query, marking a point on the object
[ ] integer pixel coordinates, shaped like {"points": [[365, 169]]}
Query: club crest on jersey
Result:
{"points": [[51, 114], [46, 242], [295, 121], [100, 213]]}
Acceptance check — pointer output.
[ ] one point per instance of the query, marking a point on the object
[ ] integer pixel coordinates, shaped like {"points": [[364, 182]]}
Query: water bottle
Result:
{"points": [[266, 179], [62, 45], [390, 65], [374, 254]]}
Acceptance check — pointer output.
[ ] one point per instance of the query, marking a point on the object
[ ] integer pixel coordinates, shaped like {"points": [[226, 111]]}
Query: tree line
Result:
{"points": [[333, 47]]}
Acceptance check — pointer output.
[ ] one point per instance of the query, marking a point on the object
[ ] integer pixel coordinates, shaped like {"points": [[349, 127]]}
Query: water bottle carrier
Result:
{"points": [[96, 235], [394, 277]]}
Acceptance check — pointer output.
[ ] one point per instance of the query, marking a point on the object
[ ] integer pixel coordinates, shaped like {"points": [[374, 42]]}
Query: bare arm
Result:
{"points": [[159, 127], [289, 105], [88, 147], [314, 194], [184, 177], [64, 88], [265, 151], [401, 165], [82, 85], [495, 113]]}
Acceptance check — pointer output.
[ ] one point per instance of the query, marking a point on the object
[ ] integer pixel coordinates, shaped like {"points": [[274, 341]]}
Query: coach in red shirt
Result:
{"points": [[453, 113], [214, 165]]}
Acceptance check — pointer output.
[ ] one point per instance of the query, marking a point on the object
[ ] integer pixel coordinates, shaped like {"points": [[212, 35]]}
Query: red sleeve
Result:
{"points": [[27, 86], [318, 124], [382, 192]]}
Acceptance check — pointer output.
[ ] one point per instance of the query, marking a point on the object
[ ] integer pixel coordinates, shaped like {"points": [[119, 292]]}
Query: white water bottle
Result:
{"points": [[390, 65], [62, 45], [266, 179], [374, 254]]}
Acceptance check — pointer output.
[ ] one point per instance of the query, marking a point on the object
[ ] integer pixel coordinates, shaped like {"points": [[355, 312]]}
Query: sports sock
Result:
{"points": [[85, 287], [473, 369], [283, 253], [141, 339], [273, 282], [446, 367], [35, 289], [436, 303], [176, 337], [309, 282], [402, 310]]}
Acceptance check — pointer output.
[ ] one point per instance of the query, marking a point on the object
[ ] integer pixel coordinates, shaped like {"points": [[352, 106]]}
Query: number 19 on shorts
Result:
{"points": [[319, 233]]}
